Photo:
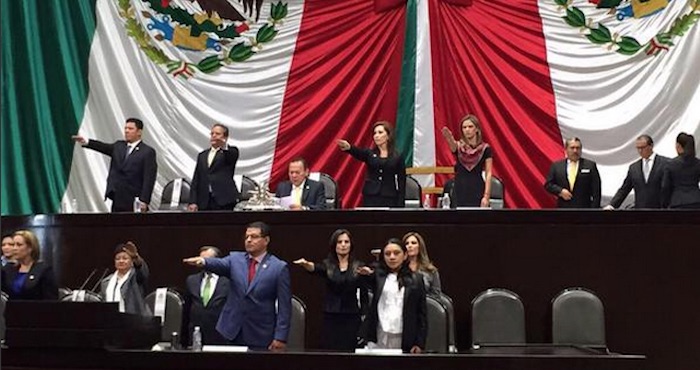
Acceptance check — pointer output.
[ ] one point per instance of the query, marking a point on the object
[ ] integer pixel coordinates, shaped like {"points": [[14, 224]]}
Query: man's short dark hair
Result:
{"points": [[264, 228], [136, 121], [571, 139], [223, 127], [300, 159], [646, 138], [217, 251]]}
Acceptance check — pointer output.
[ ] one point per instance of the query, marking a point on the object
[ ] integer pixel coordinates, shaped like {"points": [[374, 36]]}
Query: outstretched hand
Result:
{"points": [[364, 270], [308, 265], [79, 139], [194, 261], [343, 144]]}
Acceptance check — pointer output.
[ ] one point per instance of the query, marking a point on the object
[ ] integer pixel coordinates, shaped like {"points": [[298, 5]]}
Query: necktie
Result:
{"points": [[129, 148], [251, 269], [296, 199], [206, 291], [571, 174], [210, 158], [646, 169]]}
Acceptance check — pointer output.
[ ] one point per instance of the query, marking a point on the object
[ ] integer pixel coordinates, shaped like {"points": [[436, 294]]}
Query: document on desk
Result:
{"points": [[211, 348]]}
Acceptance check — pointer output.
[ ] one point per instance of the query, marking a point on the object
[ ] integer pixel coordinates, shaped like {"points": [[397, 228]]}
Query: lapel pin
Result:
{"points": [[31, 277], [264, 265]]}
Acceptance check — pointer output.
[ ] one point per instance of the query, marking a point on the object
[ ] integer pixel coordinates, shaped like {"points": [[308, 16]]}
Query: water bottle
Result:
{"points": [[174, 341], [137, 205], [74, 205], [426, 201], [446, 201], [197, 339]]}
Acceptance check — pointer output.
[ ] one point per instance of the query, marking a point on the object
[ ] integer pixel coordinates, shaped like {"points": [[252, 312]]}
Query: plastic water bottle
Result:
{"points": [[137, 205], [446, 201], [73, 205], [174, 341], [426, 201], [197, 339]]}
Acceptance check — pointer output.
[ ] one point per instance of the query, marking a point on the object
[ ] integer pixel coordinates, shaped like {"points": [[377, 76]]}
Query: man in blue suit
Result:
{"points": [[258, 309], [305, 193], [132, 170]]}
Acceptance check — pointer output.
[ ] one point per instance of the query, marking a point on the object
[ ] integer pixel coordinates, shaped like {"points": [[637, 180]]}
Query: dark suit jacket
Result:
{"points": [[40, 283], [341, 288], [646, 194], [132, 291], [251, 310], [218, 176], [197, 314], [415, 319], [132, 176], [313, 195], [680, 183], [384, 177], [586, 193]]}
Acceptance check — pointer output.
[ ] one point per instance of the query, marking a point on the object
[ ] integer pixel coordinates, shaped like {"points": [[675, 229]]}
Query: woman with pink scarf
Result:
{"points": [[474, 156]]}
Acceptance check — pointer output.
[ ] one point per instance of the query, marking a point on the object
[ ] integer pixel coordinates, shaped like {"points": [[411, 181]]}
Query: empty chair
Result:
{"points": [[176, 195], [331, 188], [172, 322], [578, 318], [246, 186], [498, 193], [438, 333], [297, 327], [413, 192], [449, 305], [498, 317]]}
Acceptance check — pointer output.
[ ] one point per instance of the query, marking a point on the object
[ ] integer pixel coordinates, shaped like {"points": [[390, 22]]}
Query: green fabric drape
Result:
{"points": [[45, 52], [405, 117]]}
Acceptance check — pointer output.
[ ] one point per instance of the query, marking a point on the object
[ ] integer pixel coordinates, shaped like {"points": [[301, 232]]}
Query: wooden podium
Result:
{"points": [[53, 324]]}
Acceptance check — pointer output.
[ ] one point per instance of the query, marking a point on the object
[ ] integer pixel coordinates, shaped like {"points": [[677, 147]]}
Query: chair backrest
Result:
{"points": [[498, 193], [297, 328], [172, 322], [578, 318], [4, 297], [413, 192], [438, 336], [449, 305], [63, 291], [331, 188], [498, 317], [245, 186], [171, 191]]}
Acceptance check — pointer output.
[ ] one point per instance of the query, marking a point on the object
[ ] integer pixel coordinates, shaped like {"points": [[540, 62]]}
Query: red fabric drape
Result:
{"points": [[345, 75], [489, 59]]}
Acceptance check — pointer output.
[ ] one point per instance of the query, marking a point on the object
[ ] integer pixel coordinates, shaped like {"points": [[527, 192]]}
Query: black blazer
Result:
{"points": [[313, 195], [341, 288], [206, 317], [134, 176], [646, 194], [680, 183], [587, 190], [218, 177], [40, 283], [384, 177], [415, 319]]}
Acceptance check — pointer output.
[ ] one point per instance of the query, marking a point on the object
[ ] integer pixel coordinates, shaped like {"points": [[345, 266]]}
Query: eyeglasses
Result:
{"points": [[642, 147], [252, 236]]}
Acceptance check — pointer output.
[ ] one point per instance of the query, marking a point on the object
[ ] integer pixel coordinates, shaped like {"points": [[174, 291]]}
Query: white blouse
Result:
{"points": [[390, 306], [114, 289]]}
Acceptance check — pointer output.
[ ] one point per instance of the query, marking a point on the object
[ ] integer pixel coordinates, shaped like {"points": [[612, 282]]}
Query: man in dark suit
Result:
{"points": [[305, 193], [574, 180], [213, 187], [205, 298], [644, 176], [132, 170], [258, 310]]}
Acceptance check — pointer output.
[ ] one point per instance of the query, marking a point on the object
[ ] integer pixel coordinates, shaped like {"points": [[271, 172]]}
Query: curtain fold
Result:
{"points": [[45, 49]]}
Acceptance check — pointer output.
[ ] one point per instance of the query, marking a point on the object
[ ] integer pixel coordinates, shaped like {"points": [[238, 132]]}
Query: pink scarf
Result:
{"points": [[469, 157]]}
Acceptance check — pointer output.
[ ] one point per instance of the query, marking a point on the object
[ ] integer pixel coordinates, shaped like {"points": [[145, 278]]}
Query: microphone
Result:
{"points": [[104, 273], [88, 279]]}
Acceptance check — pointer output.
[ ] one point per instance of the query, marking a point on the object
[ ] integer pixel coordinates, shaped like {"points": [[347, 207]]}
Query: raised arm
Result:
{"points": [[449, 138]]}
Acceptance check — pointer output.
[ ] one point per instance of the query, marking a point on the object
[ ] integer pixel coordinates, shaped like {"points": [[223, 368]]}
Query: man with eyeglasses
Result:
{"points": [[643, 176], [259, 307]]}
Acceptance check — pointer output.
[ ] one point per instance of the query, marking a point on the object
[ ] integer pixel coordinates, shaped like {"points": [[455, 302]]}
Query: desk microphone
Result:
{"points": [[88, 279], [99, 280]]}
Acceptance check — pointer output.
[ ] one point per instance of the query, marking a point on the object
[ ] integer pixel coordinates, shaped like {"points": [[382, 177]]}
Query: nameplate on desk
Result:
{"points": [[473, 208], [233, 349], [378, 351], [372, 208]]}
